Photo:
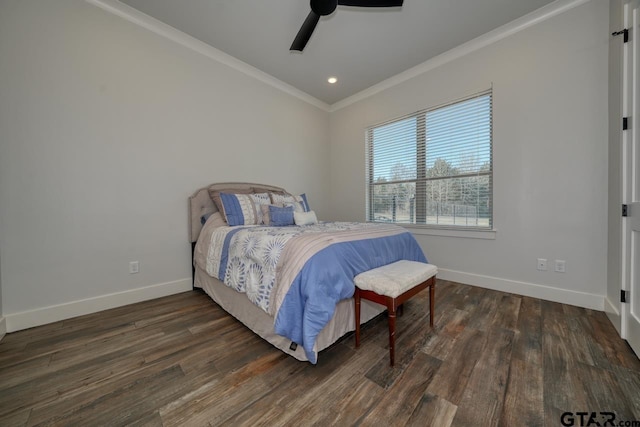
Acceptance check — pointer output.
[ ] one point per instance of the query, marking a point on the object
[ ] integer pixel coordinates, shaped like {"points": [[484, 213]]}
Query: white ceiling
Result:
{"points": [[361, 47]]}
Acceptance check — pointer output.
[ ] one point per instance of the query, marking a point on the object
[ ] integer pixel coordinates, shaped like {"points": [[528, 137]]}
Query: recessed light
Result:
{"points": [[332, 80]]}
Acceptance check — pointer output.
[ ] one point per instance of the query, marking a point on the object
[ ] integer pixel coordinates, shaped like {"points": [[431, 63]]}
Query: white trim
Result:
{"points": [[135, 16], [549, 293], [449, 232], [54, 313], [522, 23], [613, 314], [3, 327]]}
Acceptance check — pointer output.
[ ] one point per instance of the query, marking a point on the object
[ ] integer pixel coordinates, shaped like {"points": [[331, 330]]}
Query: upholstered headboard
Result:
{"points": [[200, 202]]}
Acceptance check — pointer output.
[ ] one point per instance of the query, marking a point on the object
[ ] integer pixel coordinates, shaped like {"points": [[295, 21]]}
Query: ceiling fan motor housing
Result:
{"points": [[324, 7]]}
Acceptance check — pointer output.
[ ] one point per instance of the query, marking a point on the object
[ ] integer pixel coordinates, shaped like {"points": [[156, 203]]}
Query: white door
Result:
{"points": [[631, 179]]}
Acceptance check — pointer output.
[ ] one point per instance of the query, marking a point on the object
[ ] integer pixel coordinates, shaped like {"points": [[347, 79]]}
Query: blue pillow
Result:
{"points": [[204, 218], [281, 216]]}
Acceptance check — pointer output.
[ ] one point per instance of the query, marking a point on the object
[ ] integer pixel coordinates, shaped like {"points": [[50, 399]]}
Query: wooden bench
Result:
{"points": [[392, 285]]}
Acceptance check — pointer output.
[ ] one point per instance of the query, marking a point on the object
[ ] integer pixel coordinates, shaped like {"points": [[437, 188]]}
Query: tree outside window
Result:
{"points": [[433, 167]]}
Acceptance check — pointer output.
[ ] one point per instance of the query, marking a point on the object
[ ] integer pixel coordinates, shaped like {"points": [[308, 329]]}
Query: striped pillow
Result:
{"points": [[243, 209]]}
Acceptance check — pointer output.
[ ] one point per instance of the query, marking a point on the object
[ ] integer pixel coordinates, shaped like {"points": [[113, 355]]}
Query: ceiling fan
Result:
{"points": [[326, 7]]}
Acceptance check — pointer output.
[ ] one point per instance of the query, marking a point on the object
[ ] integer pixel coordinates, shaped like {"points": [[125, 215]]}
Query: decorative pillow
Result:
{"points": [[307, 208], [266, 217], [215, 195], [288, 198], [259, 200], [305, 218], [297, 206], [279, 217], [239, 209], [277, 198]]}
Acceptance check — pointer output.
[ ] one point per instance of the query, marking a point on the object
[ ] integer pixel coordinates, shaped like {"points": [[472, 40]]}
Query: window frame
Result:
{"points": [[421, 178]]}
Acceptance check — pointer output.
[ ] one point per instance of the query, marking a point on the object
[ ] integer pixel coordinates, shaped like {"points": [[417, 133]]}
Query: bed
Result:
{"points": [[299, 297]]}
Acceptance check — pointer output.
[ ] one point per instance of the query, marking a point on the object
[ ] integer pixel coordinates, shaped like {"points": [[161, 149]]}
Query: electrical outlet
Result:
{"points": [[134, 267], [542, 264], [561, 266]]}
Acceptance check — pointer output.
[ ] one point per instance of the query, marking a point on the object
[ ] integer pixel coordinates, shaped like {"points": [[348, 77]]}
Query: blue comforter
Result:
{"points": [[327, 278], [299, 274]]}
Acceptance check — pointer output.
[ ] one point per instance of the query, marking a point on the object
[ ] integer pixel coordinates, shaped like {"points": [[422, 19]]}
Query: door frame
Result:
{"points": [[629, 168]]}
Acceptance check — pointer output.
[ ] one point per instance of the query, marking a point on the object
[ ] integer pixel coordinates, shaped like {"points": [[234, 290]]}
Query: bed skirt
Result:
{"points": [[239, 306]]}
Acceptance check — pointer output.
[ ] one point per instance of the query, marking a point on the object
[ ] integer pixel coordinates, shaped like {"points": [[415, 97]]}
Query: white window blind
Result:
{"points": [[433, 167]]}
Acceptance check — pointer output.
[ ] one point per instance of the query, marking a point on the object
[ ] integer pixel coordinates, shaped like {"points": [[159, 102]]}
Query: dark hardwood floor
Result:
{"points": [[492, 359]]}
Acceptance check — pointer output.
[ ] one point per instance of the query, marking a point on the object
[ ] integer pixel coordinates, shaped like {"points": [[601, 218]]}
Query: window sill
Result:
{"points": [[449, 232]]}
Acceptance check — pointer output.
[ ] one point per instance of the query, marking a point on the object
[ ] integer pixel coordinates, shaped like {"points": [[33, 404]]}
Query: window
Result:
{"points": [[433, 167]]}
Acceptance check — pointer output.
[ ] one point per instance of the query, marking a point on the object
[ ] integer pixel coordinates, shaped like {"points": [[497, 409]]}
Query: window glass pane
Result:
{"points": [[459, 201], [394, 203], [433, 167], [459, 138], [394, 151]]}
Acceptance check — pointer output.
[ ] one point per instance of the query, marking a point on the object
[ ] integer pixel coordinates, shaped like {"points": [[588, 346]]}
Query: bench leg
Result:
{"points": [[432, 301], [392, 332], [356, 298]]}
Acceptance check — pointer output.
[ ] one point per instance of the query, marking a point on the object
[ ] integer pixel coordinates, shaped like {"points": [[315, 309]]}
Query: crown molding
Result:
{"points": [[143, 20], [135, 16], [515, 26]]}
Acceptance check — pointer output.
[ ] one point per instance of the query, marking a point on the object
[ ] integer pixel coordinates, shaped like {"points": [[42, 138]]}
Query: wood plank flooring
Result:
{"points": [[492, 359]]}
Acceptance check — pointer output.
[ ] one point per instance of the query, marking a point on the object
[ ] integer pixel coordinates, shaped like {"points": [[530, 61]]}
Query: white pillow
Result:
{"points": [[305, 218]]}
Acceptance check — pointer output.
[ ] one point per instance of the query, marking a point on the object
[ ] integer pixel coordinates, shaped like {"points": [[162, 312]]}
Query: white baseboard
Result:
{"points": [[55, 313], [41, 316], [580, 299], [613, 314], [3, 327]]}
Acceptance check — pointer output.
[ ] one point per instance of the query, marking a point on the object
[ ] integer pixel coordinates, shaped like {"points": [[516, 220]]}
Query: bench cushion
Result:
{"points": [[395, 279]]}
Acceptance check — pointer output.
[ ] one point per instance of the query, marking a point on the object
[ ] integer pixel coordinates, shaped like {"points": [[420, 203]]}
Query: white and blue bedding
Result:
{"points": [[298, 274]]}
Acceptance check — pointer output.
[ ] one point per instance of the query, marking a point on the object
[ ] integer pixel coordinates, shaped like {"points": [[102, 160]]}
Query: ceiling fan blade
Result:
{"points": [[305, 32], [371, 3]]}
